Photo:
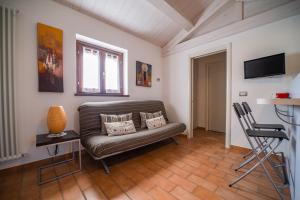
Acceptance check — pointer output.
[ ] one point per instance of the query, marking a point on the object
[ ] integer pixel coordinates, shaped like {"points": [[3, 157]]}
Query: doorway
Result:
{"points": [[214, 113]]}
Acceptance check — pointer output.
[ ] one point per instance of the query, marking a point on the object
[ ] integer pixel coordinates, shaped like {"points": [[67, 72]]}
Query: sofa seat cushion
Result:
{"points": [[102, 145]]}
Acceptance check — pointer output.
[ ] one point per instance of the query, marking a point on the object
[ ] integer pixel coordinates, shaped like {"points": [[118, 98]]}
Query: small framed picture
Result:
{"points": [[143, 74]]}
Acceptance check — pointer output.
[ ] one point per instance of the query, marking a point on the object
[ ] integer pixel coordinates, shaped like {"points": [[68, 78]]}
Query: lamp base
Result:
{"points": [[56, 135]]}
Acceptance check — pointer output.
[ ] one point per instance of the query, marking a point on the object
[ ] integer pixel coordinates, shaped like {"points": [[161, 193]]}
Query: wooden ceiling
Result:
{"points": [[141, 17], [190, 9], [169, 23]]}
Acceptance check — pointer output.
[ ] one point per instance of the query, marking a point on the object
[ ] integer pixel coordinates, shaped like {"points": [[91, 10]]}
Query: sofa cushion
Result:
{"points": [[113, 118], [156, 122], [102, 145], [145, 116], [119, 128]]}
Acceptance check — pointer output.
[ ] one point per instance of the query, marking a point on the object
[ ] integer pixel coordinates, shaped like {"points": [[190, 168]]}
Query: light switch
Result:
{"points": [[243, 93]]}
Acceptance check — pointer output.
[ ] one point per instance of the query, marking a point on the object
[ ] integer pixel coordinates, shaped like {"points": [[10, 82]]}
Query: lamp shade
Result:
{"points": [[56, 119]]}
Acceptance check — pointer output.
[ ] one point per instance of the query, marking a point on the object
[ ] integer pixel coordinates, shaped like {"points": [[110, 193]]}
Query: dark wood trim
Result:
{"points": [[102, 71], [102, 53], [121, 70], [78, 67], [101, 94], [98, 47]]}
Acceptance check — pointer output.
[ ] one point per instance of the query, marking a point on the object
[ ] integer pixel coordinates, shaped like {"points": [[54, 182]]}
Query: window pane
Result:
{"points": [[112, 74], [91, 71]]}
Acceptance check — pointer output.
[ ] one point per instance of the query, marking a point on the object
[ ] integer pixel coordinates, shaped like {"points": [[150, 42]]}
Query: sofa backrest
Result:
{"points": [[89, 113]]}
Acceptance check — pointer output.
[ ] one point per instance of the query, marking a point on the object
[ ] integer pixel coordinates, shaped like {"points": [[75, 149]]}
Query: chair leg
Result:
{"points": [[253, 156], [105, 166], [276, 167], [260, 161], [245, 162], [248, 154], [251, 151], [273, 183]]}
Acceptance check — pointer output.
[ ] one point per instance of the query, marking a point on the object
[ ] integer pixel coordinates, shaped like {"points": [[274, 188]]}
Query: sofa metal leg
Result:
{"points": [[105, 167], [175, 140]]}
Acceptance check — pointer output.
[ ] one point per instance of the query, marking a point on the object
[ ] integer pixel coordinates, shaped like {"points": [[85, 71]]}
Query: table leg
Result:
{"points": [[79, 151], [52, 164]]}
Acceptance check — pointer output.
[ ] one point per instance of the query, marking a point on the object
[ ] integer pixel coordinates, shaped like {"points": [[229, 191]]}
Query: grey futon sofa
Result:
{"points": [[100, 146]]}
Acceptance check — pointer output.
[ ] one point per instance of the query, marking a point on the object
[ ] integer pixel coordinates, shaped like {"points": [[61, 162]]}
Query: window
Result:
{"points": [[99, 70]]}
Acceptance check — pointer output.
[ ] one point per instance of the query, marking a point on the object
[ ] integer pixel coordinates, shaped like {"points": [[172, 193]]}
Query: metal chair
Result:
{"points": [[254, 125], [261, 151], [258, 126]]}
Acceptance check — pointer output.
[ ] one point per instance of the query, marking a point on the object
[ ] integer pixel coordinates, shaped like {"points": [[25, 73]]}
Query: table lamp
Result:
{"points": [[56, 121]]}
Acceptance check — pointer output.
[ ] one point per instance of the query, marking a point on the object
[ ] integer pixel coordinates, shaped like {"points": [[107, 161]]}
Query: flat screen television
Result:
{"points": [[266, 66]]}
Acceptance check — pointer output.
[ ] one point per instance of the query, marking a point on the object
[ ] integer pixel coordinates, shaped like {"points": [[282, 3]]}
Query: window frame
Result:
{"points": [[79, 70]]}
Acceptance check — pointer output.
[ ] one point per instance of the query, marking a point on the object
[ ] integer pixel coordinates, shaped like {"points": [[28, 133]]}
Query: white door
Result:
{"points": [[216, 96]]}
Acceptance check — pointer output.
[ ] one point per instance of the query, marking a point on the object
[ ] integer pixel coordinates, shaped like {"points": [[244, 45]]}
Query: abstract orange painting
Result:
{"points": [[50, 58]]}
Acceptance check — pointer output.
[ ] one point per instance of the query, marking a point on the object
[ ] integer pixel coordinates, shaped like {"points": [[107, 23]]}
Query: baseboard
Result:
{"points": [[37, 163], [243, 149]]}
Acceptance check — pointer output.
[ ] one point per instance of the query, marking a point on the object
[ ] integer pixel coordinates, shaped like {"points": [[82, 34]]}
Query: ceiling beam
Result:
{"points": [[275, 14], [215, 6], [172, 13]]}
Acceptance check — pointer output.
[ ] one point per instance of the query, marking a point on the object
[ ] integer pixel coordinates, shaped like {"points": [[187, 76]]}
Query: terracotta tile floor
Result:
{"points": [[197, 169]]}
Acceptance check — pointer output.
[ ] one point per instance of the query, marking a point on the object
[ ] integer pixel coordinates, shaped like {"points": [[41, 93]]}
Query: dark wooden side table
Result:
{"points": [[70, 138]]}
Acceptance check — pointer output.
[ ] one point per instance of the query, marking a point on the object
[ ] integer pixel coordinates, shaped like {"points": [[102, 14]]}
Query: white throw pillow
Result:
{"points": [[156, 122], [145, 116], [119, 128], [113, 118]]}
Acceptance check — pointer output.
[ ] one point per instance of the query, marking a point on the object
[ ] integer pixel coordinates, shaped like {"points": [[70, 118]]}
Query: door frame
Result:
{"points": [[203, 53]]}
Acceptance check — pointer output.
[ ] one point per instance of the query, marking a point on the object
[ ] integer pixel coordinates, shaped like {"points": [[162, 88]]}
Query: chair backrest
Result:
{"points": [[248, 111], [241, 116], [246, 107], [238, 110]]}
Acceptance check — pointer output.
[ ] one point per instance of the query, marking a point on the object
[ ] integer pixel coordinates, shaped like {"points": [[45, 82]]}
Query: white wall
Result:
{"points": [[32, 105], [277, 37], [294, 150]]}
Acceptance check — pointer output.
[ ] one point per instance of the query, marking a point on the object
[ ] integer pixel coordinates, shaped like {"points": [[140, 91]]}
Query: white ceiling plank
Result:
{"points": [[167, 26], [138, 18], [278, 13], [255, 7], [214, 7], [171, 12]]}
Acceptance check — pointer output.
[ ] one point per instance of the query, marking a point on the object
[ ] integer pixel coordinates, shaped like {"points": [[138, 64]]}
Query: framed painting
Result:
{"points": [[50, 58], [143, 74]]}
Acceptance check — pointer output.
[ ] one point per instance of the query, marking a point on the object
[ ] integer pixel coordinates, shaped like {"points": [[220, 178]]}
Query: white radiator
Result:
{"points": [[9, 147]]}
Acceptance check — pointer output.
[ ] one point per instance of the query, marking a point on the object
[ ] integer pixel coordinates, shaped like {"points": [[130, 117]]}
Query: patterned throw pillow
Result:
{"points": [[119, 128], [155, 122], [145, 116], [113, 118]]}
